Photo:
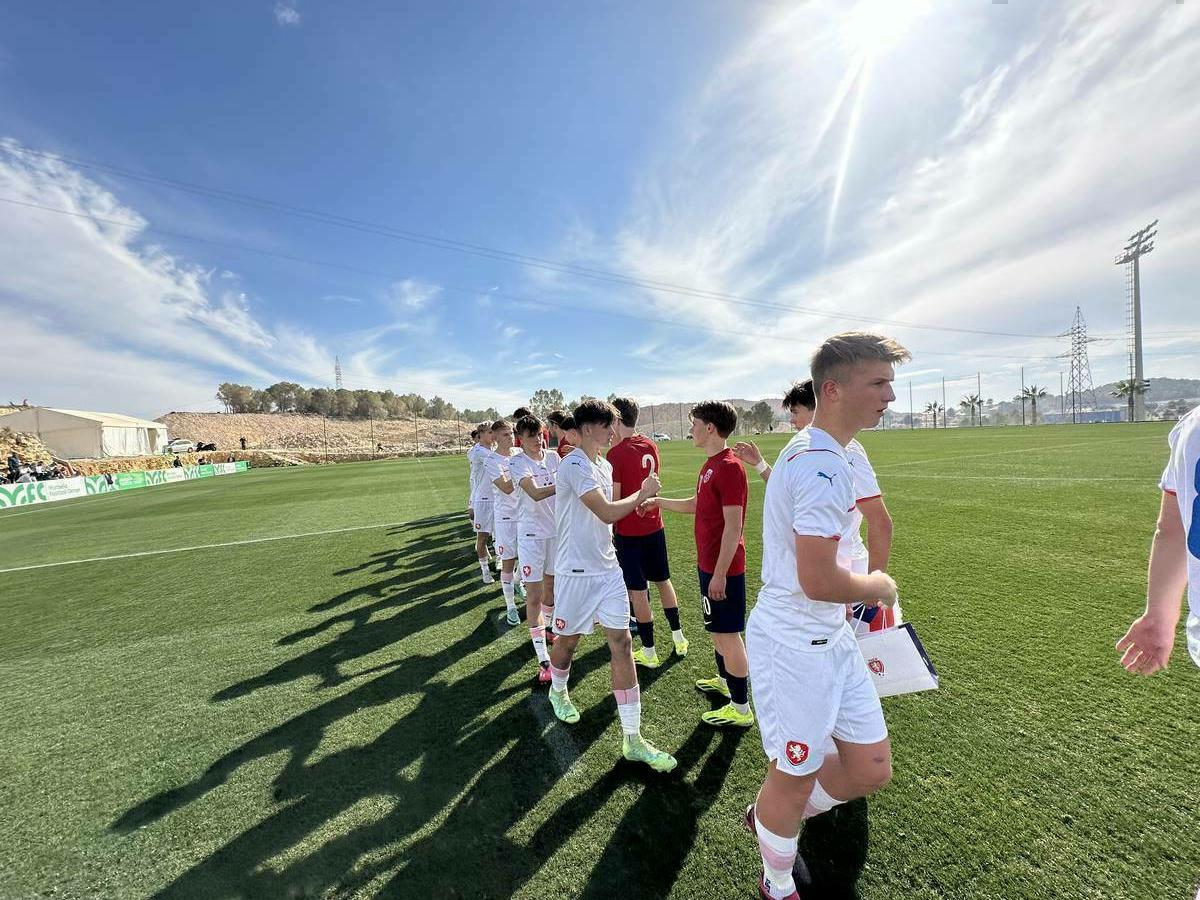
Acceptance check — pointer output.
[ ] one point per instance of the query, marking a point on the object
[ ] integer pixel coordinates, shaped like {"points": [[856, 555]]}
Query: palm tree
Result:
{"points": [[972, 403], [934, 407], [1129, 389], [1033, 393]]}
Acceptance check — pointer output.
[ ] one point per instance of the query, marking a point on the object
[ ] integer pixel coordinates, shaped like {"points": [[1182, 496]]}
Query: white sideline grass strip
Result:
{"points": [[262, 540]]}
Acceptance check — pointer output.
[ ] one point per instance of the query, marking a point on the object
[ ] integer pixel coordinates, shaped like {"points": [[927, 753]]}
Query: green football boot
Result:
{"points": [[637, 749]]}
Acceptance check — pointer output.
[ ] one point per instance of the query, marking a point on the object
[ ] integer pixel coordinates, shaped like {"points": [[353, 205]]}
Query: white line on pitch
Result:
{"points": [[263, 540]]}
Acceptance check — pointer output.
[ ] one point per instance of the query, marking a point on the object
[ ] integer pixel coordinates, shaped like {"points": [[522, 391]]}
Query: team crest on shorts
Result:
{"points": [[526, 571], [560, 624], [797, 752], [500, 550], [875, 665]]}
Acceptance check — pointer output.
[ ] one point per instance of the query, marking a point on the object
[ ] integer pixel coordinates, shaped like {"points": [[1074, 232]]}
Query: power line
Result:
{"points": [[474, 292], [492, 252]]}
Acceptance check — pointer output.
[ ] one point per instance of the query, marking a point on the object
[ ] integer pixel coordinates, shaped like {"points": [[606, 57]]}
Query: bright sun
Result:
{"points": [[873, 25]]}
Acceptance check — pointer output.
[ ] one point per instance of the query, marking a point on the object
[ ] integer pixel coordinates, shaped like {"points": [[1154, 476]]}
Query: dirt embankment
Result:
{"points": [[27, 446], [310, 437]]}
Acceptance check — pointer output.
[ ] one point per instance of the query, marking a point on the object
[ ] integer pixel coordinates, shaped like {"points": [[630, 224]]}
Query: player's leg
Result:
{"points": [[862, 763], [574, 610], [530, 561], [796, 698], [724, 621], [506, 550], [657, 568], [548, 552], [481, 553], [625, 685]]}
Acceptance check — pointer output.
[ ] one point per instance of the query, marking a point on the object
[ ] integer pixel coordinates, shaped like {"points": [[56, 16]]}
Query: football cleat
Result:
{"points": [[727, 715], [712, 685], [764, 890], [544, 673], [513, 617], [635, 749], [640, 657], [487, 577], [681, 647], [564, 709]]}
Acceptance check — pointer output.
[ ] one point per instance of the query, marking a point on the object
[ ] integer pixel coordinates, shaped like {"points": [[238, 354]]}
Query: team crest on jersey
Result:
{"points": [[560, 624], [875, 665], [797, 752], [526, 571]]}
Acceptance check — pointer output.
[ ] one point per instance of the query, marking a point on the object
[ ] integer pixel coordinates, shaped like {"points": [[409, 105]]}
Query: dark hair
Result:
{"points": [[521, 412], [483, 426], [555, 417], [594, 412], [627, 410], [474, 434], [499, 423], [800, 394], [568, 423], [837, 355], [528, 424], [717, 413]]}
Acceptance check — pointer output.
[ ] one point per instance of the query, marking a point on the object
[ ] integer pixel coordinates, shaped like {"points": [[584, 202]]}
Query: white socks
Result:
{"points": [[629, 708], [538, 635], [820, 801], [506, 586], [778, 856]]}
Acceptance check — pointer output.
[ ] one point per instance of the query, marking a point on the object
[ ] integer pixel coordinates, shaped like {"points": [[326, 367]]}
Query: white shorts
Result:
{"points": [[580, 599], [536, 556], [505, 537], [804, 697], [481, 520]]}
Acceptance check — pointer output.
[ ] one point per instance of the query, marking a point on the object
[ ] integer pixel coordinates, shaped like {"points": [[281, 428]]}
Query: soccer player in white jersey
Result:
{"points": [[818, 712], [588, 583], [481, 497], [800, 402], [504, 497], [534, 472], [1174, 560]]}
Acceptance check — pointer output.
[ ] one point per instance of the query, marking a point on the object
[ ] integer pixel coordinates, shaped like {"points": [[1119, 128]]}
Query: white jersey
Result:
{"points": [[585, 545], [810, 493], [1182, 479], [535, 518], [496, 465], [866, 487], [477, 457]]}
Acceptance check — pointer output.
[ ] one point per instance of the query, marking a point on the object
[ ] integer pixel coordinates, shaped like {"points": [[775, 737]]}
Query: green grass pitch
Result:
{"points": [[342, 715]]}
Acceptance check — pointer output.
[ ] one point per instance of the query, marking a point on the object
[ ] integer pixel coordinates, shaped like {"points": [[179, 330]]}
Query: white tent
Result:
{"points": [[73, 434]]}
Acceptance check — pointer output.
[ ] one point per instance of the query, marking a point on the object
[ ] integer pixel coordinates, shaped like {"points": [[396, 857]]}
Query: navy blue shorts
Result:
{"points": [[643, 558], [726, 616]]}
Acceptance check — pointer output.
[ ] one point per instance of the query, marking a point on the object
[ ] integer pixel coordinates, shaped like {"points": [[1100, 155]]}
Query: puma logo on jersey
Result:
{"points": [[828, 478]]}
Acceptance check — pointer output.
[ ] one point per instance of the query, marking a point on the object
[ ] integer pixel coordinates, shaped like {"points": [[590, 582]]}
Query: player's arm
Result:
{"points": [[879, 532], [731, 533], [750, 455], [504, 484], [1148, 643], [611, 511], [686, 505], [537, 493], [823, 580]]}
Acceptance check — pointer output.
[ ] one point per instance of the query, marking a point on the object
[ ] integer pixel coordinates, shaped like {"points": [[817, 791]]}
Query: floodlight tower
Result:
{"points": [[1140, 243], [337, 373], [1081, 387]]}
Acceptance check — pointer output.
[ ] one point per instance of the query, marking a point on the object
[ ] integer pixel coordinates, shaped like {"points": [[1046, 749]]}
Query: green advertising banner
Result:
{"points": [[129, 480], [82, 486]]}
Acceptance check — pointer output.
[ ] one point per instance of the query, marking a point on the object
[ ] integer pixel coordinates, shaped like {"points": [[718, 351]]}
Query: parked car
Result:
{"points": [[180, 445], [660, 436]]}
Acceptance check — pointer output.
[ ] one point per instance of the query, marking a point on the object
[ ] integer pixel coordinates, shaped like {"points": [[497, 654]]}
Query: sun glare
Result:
{"points": [[873, 25]]}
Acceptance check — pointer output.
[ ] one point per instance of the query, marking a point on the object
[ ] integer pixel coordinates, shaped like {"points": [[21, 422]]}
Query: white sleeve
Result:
{"points": [[518, 468], [820, 504], [492, 469], [866, 485], [578, 477], [1167, 481]]}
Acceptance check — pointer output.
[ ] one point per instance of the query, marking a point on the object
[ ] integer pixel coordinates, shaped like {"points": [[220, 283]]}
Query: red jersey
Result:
{"points": [[722, 483], [632, 460], [563, 447]]}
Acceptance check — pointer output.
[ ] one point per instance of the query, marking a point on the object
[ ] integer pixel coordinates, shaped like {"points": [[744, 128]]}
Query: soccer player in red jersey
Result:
{"points": [[641, 540], [719, 506]]}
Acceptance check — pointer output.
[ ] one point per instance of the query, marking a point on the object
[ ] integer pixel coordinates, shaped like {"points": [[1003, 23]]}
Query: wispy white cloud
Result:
{"points": [[287, 15]]}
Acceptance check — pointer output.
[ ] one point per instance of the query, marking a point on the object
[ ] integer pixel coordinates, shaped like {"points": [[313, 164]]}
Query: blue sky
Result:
{"points": [[788, 170]]}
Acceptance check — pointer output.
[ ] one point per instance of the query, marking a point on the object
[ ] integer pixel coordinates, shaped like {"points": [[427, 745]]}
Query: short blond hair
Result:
{"points": [[838, 354]]}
